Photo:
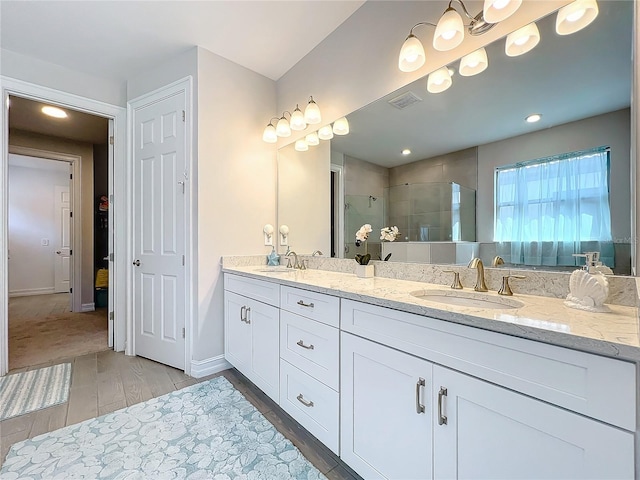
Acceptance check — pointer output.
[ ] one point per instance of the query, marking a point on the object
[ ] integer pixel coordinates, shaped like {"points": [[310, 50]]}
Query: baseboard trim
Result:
{"points": [[202, 368], [87, 307], [32, 291]]}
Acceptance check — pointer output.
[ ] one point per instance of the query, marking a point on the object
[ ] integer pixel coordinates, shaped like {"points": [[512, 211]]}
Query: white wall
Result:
{"points": [[236, 181], [357, 63], [609, 129], [31, 219], [54, 76]]}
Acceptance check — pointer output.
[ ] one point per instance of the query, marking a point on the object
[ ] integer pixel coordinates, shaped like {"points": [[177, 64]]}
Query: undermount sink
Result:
{"points": [[467, 299], [276, 269]]}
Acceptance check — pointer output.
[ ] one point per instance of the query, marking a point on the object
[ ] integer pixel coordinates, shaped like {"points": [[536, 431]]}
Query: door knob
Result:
{"points": [[137, 263]]}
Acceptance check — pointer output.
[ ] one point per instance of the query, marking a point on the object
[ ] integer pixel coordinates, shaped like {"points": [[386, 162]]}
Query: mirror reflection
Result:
{"points": [[419, 160]]}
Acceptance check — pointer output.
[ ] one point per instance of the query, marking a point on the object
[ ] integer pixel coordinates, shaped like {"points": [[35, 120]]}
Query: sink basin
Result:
{"points": [[276, 270], [467, 299]]}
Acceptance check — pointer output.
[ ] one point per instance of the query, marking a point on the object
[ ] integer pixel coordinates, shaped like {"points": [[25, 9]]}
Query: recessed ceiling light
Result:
{"points": [[533, 118], [406, 151], [54, 112]]}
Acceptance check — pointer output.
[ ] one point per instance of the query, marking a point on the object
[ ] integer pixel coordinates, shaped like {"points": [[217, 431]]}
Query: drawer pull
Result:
{"points": [[419, 406], [300, 343], [442, 419], [245, 318], [306, 403], [302, 304]]}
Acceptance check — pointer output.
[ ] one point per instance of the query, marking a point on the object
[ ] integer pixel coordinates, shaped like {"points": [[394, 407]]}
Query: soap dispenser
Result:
{"points": [[273, 259], [588, 287]]}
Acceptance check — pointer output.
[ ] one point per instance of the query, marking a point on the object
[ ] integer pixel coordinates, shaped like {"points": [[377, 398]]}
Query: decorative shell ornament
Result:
{"points": [[587, 291]]}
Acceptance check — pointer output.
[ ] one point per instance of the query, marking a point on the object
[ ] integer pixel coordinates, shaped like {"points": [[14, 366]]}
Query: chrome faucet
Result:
{"points": [[317, 252], [481, 286], [296, 264]]}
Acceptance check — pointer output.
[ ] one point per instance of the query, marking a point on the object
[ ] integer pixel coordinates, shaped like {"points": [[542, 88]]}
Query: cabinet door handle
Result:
{"points": [[247, 311], [300, 343], [243, 310], [306, 403], [419, 406], [302, 304], [442, 419]]}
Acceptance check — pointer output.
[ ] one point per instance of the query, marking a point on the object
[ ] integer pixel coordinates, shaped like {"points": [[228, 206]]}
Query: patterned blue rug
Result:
{"points": [[206, 431]]}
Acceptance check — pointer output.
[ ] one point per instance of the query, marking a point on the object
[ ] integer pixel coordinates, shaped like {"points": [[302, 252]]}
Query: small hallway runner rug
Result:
{"points": [[206, 431], [26, 392]]}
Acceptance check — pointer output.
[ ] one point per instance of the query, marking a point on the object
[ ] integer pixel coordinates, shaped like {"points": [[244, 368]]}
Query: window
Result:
{"points": [[551, 208]]}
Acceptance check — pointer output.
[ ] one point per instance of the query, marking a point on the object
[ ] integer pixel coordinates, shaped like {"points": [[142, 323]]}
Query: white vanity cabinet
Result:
{"points": [[252, 331], [386, 411]]}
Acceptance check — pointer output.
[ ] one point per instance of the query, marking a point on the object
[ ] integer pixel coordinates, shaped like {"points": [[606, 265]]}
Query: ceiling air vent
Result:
{"points": [[405, 100]]}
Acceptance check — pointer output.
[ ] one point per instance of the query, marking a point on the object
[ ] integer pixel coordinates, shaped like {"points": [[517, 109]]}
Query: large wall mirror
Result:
{"points": [[441, 194]]}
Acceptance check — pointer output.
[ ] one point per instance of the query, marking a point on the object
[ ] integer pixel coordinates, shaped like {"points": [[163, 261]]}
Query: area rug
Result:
{"points": [[208, 430], [26, 392]]}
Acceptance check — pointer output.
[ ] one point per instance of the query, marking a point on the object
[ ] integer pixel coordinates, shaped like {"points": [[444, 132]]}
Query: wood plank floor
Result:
{"points": [[107, 381]]}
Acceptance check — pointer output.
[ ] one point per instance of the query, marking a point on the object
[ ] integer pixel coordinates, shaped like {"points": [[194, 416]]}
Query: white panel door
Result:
{"points": [[494, 433], [62, 275], [159, 156], [385, 411]]}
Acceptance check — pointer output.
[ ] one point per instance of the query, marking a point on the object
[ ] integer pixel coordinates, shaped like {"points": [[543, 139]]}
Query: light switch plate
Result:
{"points": [[44, 242]]}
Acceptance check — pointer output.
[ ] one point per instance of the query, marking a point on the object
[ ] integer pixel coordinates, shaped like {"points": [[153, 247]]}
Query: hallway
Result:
{"points": [[42, 329]]}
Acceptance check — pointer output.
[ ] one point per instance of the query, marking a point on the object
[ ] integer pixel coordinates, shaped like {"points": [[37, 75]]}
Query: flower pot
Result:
{"points": [[364, 271]]}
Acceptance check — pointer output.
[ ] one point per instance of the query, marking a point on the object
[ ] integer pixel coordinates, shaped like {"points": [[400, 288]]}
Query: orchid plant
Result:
{"points": [[362, 236], [389, 234]]}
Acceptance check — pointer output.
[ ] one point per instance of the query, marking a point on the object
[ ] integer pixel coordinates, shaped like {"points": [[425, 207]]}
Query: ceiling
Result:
{"points": [[565, 78], [27, 115], [119, 39]]}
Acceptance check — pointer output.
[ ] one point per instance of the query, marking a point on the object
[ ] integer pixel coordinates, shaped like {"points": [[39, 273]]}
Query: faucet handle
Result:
{"points": [[455, 284], [303, 264], [289, 262], [505, 289]]}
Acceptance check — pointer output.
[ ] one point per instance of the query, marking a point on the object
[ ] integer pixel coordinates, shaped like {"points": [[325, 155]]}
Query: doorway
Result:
{"points": [[57, 232]]}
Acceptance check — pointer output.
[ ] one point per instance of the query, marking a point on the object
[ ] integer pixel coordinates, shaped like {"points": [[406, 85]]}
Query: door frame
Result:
{"points": [[118, 195], [185, 84], [76, 199]]}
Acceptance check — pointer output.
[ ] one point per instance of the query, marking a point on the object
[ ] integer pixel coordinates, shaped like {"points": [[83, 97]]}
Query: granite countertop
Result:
{"points": [[613, 334]]}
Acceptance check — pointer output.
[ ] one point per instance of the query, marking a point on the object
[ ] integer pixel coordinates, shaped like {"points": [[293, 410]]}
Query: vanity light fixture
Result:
{"points": [[270, 135], [474, 63], [54, 112], [449, 31], [341, 126], [439, 80], [312, 139], [325, 133], [533, 118], [312, 113], [282, 127], [495, 11], [575, 16], [301, 145], [297, 120]]}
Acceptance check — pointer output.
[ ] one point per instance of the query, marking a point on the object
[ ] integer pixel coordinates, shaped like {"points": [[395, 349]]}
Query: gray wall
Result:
{"points": [[460, 167]]}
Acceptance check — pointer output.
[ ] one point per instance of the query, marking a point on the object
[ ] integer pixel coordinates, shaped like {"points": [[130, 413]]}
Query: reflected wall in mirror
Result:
{"points": [[581, 85]]}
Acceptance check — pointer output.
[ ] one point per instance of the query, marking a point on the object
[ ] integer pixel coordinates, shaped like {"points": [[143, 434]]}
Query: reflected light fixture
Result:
{"points": [[301, 145], [575, 16], [341, 126], [439, 80], [533, 118], [312, 139], [474, 63], [297, 120], [325, 133], [522, 40], [406, 151], [312, 113], [54, 112], [495, 11]]}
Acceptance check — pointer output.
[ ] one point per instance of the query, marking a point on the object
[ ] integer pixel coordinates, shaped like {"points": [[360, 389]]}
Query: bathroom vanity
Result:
{"points": [[403, 385]]}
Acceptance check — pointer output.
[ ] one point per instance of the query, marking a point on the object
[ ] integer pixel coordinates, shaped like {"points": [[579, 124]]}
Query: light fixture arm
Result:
{"points": [[464, 9], [420, 24]]}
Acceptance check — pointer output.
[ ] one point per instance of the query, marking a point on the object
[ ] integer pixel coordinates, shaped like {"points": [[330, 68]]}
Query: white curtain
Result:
{"points": [[549, 209]]}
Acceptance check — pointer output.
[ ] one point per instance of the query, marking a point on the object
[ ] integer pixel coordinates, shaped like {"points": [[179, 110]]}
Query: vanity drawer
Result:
{"points": [[316, 306], [311, 346], [596, 386], [266, 292], [314, 405]]}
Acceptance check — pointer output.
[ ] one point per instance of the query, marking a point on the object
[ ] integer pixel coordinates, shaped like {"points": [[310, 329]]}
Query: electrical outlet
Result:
{"points": [[44, 242]]}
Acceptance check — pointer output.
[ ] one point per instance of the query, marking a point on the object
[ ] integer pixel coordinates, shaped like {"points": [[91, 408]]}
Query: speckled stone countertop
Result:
{"points": [[613, 334]]}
